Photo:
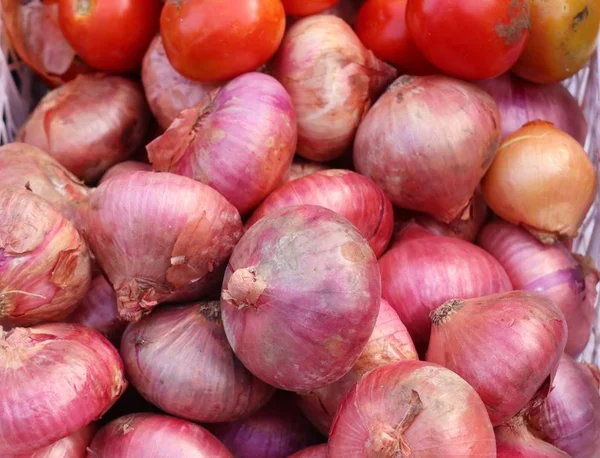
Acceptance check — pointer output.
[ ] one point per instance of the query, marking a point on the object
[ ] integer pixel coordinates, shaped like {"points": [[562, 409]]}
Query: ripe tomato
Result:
{"points": [[562, 39], [110, 35], [213, 40], [471, 39], [307, 7], [381, 26]]}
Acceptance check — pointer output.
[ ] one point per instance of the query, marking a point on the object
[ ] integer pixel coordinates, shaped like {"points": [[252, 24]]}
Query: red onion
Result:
{"points": [[520, 102], [390, 342], [347, 193], [300, 169], [427, 143], [73, 446], [179, 359], [147, 266], [422, 271], [412, 409], [507, 346], [240, 141], [89, 123], [332, 79], [57, 379], [593, 371], [570, 417], [44, 262], [316, 451], [167, 91], [549, 270], [514, 440], [300, 297], [125, 167], [155, 436], [276, 431]]}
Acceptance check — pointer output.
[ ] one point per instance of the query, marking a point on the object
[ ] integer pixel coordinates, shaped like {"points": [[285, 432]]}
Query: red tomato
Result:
{"points": [[307, 7], [110, 35], [471, 39], [213, 40], [381, 26]]}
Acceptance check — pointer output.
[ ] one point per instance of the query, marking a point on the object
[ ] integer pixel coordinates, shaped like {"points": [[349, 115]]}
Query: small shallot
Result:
{"points": [[514, 440]]}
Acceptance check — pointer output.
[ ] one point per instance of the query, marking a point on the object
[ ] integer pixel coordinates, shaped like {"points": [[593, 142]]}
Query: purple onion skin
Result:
{"points": [[125, 167], [550, 270], [316, 451], [513, 440], [72, 446], [240, 142], [155, 436], [300, 297]]}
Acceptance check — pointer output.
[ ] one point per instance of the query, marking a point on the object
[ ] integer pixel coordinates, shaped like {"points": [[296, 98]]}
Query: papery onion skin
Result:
{"points": [[507, 346], [390, 342], [332, 79], [155, 436], [44, 262], [427, 142], [541, 179], [347, 193], [186, 347], [89, 124], [67, 373], [549, 270], [411, 408], [423, 270], [125, 167], [147, 266], [300, 297], [300, 169], [240, 142], [72, 446], [513, 440], [316, 451]]}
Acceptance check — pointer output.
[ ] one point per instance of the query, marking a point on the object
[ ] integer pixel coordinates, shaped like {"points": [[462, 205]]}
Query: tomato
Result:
{"points": [[471, 39], [110, 35], [307, 7], [562, 39], [214, 40], [381, 26]]}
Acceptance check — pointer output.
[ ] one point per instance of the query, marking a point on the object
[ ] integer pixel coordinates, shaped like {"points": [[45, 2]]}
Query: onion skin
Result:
{"points": [[155, 436], [549, 270], [411, 408], [241, 142], [148, 266], [332, 79], [69, 372], [186, 347], [125, 167], [72, 446], [300, 169], [507, 346], [316, 451], [44, 262], [300, 297], [593, 371], [347, 193], [89, 124], [422, 271], [390, 342], [513, 440]]}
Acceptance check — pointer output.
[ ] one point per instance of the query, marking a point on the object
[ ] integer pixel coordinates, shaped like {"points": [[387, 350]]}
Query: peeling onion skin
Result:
{"points": [[148, 266], [155, 436], [72, 446], [186, 346], [300, 297], [390, 342], [332, 79], [412, 408], [569, 281], [89, 124], [240, 142], [513, 440], [507, 346], [45, 265], [423, 270], [427, 142], [316, 451], [353, 196], [81, 374], [125, 167]]}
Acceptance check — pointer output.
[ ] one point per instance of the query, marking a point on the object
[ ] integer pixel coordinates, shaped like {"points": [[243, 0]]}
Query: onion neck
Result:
{"points": [[443, 313], [244, 288]]}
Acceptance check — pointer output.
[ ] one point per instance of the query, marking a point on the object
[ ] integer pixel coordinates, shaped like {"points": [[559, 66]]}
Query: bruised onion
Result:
{"points": [[412, 408], [89, 123], [514, 440], [427, 142], [353, 196], [57, 379], [423, 270], [44, 262], [300, 297], [550, 270], [541, 179], [72, 446], [240, 141], [507, 346], [126, 167], [316, 451], [332, 79], [160, 238]]}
